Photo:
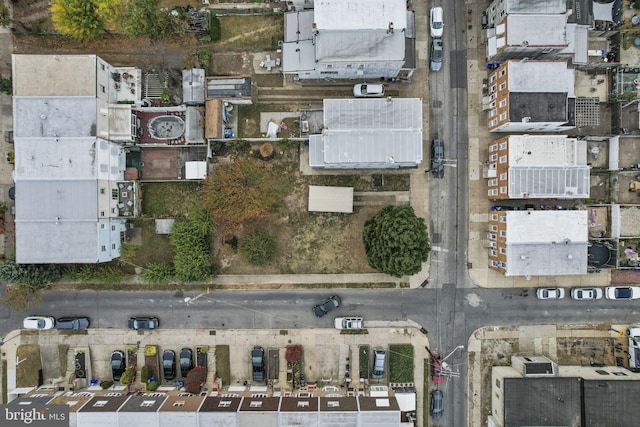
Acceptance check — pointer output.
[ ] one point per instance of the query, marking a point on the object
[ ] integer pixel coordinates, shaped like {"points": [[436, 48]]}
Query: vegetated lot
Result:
{"points": [[494, 353], [29, 366], [223, 364], [401, 363], [255, 31]]}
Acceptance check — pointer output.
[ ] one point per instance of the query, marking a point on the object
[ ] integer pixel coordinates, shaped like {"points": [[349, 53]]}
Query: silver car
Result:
{"points": [[436, 55], [589, 294]]}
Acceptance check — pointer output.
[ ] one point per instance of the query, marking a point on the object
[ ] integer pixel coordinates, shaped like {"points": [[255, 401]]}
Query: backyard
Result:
{"points": [[307, 242]]}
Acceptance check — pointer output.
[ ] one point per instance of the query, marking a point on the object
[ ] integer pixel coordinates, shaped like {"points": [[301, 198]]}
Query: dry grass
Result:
{"points": [[251, 31], [29, 366]]}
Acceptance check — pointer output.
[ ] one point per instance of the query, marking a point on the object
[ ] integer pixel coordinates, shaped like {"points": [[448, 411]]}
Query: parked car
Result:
{"points": [[437, 158], [622, 292], [353, 322], [186, 361], [550, 293], [320, 310], [436, 55], [74, 323], [38, 322], [257, 364], [143, 322], [436, 408], [368, 90], [169, 364], [379, 356], [436, 22], [436, 369], [118, 363], [586, 293]]}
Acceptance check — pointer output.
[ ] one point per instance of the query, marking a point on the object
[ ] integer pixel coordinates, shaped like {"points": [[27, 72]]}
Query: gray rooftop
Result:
{"points": [[611, 403], [536, 30], [193, 86], [369, 131], [542, 402], [360, 45], [228, 87], [569, 182], [54, 75], [54, 116], [535, 6], [298, 25]]}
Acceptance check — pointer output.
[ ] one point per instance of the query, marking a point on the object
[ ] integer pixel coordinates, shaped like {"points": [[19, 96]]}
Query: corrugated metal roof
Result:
{"points": [[571, 182], [193, 86], [360, 45], [330, 199]]}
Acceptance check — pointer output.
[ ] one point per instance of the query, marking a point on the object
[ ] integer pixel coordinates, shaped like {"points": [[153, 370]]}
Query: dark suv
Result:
{"points": [[186, 361], [143, 323], [257, 364], [169, 364], [437, 158], [73, 323], [117, 364], [320, 310]]}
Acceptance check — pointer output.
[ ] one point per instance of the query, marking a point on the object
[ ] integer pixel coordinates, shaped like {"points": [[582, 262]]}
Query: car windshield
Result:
{"points": [[623, 293], [115, 363], [437, 25], [40, 323], [168, 363]]}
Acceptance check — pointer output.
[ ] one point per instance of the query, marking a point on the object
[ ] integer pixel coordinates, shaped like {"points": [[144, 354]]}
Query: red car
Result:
{"points": [[436, 369]]}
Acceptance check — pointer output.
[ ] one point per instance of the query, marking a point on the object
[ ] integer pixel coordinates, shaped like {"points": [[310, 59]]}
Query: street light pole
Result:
{"points": [[452, 351]]}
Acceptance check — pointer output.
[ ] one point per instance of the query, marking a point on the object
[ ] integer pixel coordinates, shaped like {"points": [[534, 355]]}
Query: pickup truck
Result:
{"points": [[354, 322], [257, 364]]}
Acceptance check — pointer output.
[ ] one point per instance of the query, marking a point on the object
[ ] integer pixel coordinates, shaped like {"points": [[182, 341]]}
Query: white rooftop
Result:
{"points": [[546, 226], [546, 243], [534, 6], [546, 150], [534, 76], [57, 75], [360, 14], [536, 30]]}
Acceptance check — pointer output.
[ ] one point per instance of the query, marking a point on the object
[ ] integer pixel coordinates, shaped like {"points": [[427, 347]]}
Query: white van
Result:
{"points": [[633, 332], [379, 356]]}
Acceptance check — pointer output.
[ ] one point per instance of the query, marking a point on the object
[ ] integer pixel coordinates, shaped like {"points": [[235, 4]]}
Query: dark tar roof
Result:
{"points": [[538, 106], [212, 404]]}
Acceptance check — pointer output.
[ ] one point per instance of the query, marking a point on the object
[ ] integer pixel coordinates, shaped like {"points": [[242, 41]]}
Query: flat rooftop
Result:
{"points": [[58, 75]]}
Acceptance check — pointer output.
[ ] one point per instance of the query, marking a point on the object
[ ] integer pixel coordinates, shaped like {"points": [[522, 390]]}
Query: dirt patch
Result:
{"points": [[255, 32], [621, 277], [494, 353], [585, 351], [29, 365]]}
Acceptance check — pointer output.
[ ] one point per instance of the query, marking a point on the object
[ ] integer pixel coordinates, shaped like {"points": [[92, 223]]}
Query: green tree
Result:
{"points": [[396, 241], [146, 18], [128, 376], [34, 275], [79, 19], [191, 238], [258, 247], [239, 191]]}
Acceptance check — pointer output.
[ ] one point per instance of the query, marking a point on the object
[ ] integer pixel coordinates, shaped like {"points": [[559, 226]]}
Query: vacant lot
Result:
{"points": [[29, 365]]}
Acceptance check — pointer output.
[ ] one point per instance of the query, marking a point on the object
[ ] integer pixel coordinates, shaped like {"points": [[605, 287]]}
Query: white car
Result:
{"points": [[38, 322], [354, 322], [368, 90], [436, 22], [550, 293], [586, 293], [622, 292], [633, 332]]}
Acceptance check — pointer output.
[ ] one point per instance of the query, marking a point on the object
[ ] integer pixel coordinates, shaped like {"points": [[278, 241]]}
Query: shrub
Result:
{"points": [[237, 147], [128, 376], [288, 144], [266, 151], [195, 380], [215, 31], [153, 386], [6, 85], [36, 275], [258, 247], [293, 353], [106, 384], [145, 374], [191, 239], [156, 274]]}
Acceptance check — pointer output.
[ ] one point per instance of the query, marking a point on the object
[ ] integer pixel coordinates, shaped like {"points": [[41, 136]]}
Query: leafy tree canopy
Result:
{"points": [[258, 247], [396, 241], [240, 191], [191, 239], [80, 19], [145, 18]]}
